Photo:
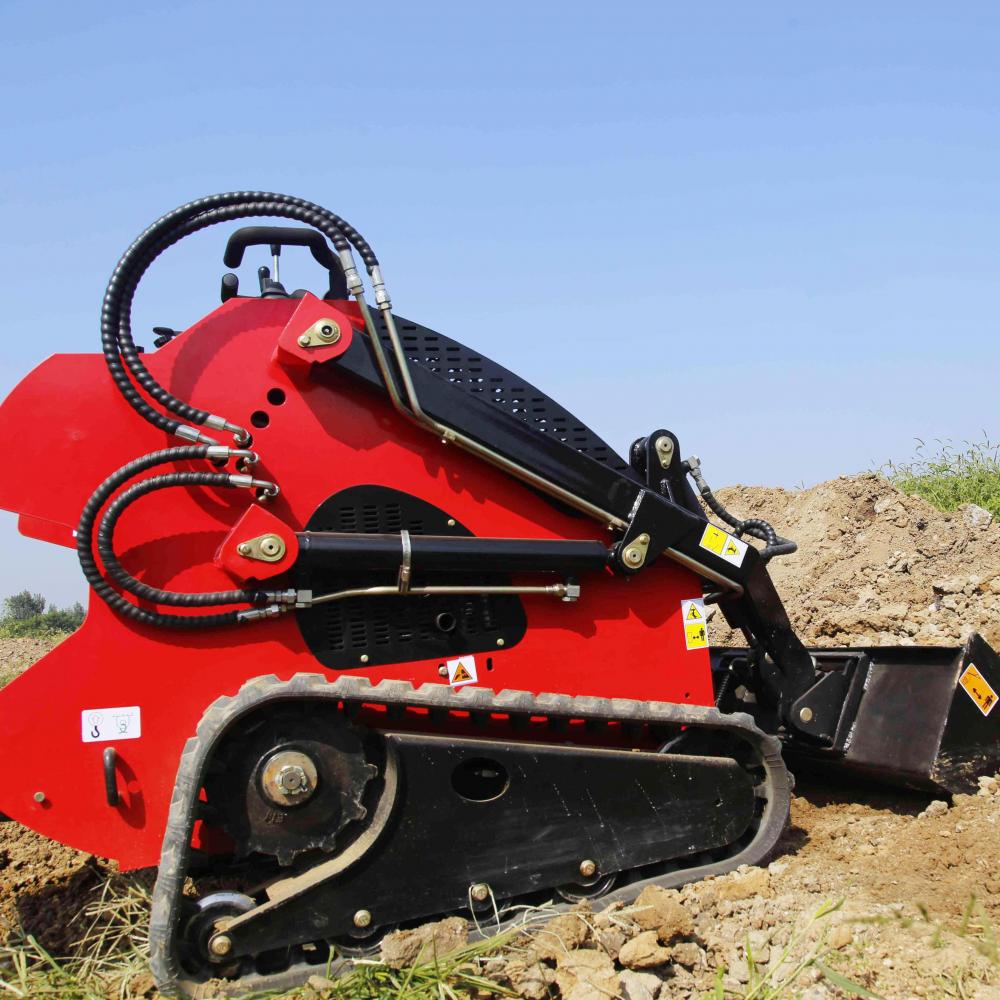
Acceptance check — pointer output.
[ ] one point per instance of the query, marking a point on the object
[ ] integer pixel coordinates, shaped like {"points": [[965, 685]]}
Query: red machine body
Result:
{"points": [[623, 640]]}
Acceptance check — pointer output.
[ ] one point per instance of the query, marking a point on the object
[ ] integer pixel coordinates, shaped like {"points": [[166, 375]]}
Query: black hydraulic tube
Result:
{"points": [[362, 553]]}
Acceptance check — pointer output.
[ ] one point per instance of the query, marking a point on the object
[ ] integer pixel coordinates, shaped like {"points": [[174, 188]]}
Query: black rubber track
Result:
{"points": [[774, 790]]}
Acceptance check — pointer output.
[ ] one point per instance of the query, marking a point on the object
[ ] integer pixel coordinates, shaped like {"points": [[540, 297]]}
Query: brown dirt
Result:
{"points": [[874, 566], [877, 567]]}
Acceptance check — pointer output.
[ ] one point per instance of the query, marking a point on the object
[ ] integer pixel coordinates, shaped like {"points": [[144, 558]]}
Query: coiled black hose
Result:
{"points": [[121, 576], [756, 527], [116, 335], [85, 539]]}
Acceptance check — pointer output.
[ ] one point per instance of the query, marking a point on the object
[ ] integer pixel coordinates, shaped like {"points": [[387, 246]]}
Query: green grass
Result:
{"points": [[948, 476], [110, 960]]}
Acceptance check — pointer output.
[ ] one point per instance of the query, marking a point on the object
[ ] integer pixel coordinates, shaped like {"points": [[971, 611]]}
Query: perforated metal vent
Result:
{"points": [[397, 629], [480, 376]]}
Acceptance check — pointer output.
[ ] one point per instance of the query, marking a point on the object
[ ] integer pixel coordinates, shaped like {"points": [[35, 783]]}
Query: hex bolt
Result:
{"points": [[364, 657], [588, 868], [480, 892], [220, 945], [451, 522], [362, 918], [304, 340], [443, 670], [500, 642], [244, 548], [806, 714], [39, 797]]}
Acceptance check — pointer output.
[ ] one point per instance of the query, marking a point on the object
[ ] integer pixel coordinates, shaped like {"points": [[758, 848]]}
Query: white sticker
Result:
{"points": [[462, 671], [724, 545], [695, 623], [101, 725]]}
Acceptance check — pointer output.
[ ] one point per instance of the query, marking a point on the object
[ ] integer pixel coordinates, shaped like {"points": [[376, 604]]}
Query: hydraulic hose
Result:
{"points": [[756, 527], [85, 537], [121, 576], [116, 334]]}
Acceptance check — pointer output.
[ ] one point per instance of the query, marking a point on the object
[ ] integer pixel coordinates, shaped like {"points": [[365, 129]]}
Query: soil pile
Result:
{"points": [[876, 566], [893, 894]]}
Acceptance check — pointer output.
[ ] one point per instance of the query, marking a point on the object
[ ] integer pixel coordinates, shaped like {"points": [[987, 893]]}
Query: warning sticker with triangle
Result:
{"points": [[724, 545], [462, 671], [695, 623]]}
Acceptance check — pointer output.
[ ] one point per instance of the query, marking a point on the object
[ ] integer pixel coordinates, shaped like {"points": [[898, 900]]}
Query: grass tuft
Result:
{"points": [[948, 476]]}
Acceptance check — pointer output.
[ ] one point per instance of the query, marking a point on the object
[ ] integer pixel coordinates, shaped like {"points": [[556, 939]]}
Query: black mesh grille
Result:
{"points": [[395, 629], [475, 374]]}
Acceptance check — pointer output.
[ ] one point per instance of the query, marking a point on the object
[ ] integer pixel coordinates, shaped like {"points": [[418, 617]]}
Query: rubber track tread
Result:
{"points": [[167, 893]]}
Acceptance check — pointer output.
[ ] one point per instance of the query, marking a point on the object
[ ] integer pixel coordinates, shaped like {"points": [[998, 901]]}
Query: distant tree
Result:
{"points": [[23, 606]]}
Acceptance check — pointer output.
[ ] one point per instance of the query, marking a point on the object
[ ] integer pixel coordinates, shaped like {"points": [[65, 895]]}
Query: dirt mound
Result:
{"points": [[876, 566], [912, 890], [16, 655]]}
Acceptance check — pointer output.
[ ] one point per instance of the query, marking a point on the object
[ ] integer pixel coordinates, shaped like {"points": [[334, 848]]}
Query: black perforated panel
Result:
{"points": [[475, 374], [397, 629]]}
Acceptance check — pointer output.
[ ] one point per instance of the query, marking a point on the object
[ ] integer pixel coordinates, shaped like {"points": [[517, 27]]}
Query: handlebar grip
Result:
{"points": [[284, 236]]}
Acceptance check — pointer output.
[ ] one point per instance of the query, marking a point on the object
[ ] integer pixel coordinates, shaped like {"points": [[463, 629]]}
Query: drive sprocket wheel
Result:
{"points": [[298, 778]]}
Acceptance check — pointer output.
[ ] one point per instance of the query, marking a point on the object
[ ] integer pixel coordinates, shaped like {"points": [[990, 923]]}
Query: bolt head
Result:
{"points": [[243, 549], [270, 545], [588, 868], [292, 780], [500, 642], [806, 714], [39, 797], [220, 945], [633, 557], [443, 670], [362, 919], [364, 657], [644, 539], [480, 892], [304, 340]]}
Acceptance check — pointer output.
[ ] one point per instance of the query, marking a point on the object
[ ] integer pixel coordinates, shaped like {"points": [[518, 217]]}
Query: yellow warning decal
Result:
{"points": [[695, 623], [461, 674], [724, 545], [696, 635], [978, 689]]}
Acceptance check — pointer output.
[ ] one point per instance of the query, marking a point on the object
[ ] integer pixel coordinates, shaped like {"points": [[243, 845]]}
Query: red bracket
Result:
{"points": [[317, 331], [254, 526]]}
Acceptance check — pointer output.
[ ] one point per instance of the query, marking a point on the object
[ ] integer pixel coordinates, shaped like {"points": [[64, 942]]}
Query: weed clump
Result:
{"points": [[949, 476]]}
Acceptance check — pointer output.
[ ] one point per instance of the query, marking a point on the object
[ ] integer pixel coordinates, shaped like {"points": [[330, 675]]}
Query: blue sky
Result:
{"points": [[770, 227]]}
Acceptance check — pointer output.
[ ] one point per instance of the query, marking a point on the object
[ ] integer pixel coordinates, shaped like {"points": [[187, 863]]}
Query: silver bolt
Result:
{"points": [[364, 657], [244, 548], [806, 714], [292, 780], [588, 868], [220, 945], [39, 796], [270, 545], [480, 892], [443, 670], [644, 539], [304, 340], [362, 918], [500, 642], [451, 522]]}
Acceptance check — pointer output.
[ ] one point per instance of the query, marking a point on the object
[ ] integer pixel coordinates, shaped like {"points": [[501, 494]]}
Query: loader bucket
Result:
{"points": [[922, 717]]}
